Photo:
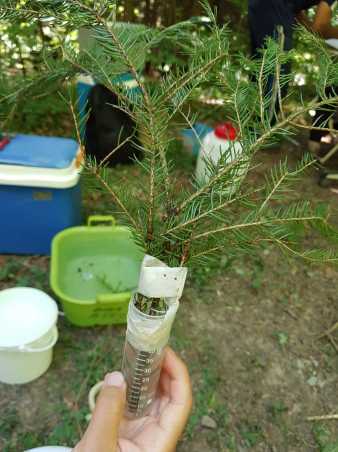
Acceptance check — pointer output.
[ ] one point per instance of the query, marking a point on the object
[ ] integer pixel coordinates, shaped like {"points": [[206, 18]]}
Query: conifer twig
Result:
{"points": [[310, 127], [96, 173], [147, 101], [253, 147], [280, 181], [119, 146], [261, 88], [327, 417], [255, 223], [299, 254], [276, 88], [209, 212], [114, 196], [205, 188]]}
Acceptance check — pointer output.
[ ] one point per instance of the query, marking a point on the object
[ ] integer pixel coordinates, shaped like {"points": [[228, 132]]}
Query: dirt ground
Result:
{"points": [[251, 334]]}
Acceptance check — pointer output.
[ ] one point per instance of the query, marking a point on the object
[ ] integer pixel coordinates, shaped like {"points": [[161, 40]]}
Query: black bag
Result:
{"points": [[107, 127]]}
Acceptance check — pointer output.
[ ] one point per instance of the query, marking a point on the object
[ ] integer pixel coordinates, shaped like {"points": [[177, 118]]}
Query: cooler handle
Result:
{"points": [[108, 220]]}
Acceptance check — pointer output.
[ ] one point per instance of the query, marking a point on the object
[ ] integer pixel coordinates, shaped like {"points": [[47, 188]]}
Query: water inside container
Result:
{"points": [[87, 276]]}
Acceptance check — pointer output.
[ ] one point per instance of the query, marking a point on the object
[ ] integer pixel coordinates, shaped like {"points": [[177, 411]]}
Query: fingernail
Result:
{"points": [[114, 379]]}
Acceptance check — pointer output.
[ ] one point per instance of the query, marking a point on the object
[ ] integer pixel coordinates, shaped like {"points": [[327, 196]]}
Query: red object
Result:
{"points": [[226, 131], [3, 142]]}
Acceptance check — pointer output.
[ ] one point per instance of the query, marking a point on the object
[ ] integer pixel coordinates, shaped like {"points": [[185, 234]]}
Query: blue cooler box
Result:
{"points": [[40, 192]]}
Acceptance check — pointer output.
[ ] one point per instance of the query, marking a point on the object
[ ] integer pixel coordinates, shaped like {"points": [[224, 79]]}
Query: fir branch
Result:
{"points": [[108, 82], [209, 212], [322, 256], [289, 121], [186, 79], [207, 252], [77, 129], [119, 146], [239, 122], [150, 111], [206, 188], [150, 224], [191, 125], [284, 175], [261, 88], [311, 127], [276, 89], [95, 172], [265, 222]]}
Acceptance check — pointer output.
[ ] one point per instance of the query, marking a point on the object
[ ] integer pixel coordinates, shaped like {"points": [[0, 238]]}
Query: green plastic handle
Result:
{"points": [[113, 297], [106, 219]]}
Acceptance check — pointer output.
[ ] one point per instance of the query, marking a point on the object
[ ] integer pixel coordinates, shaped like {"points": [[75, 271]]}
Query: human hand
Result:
{"points": [[110, 431]]}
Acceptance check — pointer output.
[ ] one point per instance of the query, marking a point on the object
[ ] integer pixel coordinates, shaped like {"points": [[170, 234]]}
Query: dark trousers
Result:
{"points": [[264, 18]]}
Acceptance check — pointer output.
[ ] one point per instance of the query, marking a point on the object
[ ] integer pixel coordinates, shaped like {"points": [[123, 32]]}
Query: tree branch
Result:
{"points": [[253, 224]]}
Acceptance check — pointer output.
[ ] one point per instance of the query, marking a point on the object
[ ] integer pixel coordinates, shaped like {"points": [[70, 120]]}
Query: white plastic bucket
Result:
{"points": [[28, 334]]}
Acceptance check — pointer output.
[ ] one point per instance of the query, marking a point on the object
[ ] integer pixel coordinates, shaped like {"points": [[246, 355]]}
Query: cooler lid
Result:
{"points": [[39, 152]]}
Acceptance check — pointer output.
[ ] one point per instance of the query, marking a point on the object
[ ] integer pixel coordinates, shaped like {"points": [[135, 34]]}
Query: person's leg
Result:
{"points": [[266, 17]]}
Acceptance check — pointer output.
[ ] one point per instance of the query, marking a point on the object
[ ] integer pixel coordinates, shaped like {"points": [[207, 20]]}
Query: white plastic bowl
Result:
{"points": [[28, 334]]}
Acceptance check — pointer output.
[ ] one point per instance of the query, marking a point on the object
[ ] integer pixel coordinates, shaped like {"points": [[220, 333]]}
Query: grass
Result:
{"points": [[323, 439]]}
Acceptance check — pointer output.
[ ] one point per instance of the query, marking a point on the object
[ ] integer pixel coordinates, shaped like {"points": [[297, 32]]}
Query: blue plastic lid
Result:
{"points": [[39, 151]]}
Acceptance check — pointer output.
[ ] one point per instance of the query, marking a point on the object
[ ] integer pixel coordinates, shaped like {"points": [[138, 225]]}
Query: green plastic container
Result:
{"points": [[94, 270]]}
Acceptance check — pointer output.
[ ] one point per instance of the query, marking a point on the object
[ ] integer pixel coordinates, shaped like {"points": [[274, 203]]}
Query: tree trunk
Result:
{"points": [[189, 8], [147, 13], [155, 12], [173, 18], [170, 13], [226, 10], [128, 10]]}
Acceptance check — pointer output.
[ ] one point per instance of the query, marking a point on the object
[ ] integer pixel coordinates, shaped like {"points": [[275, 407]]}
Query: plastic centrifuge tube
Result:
{"points": [[146, 338]]}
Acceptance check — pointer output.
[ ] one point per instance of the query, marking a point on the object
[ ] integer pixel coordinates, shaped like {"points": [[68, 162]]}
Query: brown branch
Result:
{"points": [[115, 197], [209, 251], [95, 172], [276, 89], [327, 417], [280, 182], [260, 87], [297, 253], [209, 212], [77, 130], [179, 84], [310, 127], [107, 157], [259, 142], [150, 225], [149, 108], [254, 223], [208, 185]]}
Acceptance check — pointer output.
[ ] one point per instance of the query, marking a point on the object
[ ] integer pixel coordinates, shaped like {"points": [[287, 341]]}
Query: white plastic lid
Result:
{"points": [[41, 177], [26, 314], [50, 449]]}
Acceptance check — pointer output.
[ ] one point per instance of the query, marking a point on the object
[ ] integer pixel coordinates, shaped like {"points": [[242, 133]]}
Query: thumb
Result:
{"points": [[102, 432]]}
